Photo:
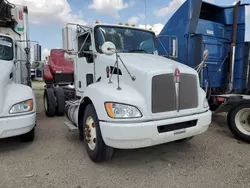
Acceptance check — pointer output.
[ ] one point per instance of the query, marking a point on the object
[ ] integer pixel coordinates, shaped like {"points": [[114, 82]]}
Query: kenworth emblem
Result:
{"points": [[177, 74]]}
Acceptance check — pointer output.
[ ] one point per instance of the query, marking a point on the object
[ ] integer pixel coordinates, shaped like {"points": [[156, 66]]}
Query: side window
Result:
{"points": [[84, 45]]}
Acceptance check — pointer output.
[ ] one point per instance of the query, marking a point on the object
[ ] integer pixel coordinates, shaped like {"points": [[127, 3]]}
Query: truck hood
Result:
{"points": [[5, 70], [148, 70], [148, 62]]}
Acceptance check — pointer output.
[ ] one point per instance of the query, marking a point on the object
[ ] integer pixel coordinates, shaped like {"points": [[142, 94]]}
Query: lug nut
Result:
{"points": [[93, 125], [94, 140]]}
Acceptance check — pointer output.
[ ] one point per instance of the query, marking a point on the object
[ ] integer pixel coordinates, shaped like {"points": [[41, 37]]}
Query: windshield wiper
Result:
{"points": [[138, 51]]}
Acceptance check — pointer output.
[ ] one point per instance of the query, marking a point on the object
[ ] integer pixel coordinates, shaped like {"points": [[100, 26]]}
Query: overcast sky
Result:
{"points": [[47, 17]]}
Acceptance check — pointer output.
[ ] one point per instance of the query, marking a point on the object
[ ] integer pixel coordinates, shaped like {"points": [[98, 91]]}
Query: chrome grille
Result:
{"points": [[188, 91], [164, 96]]}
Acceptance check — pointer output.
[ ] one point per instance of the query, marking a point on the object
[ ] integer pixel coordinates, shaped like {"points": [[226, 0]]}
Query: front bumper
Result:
{"points": [[17, 125], [144, 134]]}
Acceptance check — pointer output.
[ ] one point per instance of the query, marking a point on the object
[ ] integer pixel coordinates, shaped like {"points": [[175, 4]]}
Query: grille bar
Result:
{"points": [[176, 126]]}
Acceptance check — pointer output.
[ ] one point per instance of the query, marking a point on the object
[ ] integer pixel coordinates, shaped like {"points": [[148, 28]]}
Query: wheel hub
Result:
{"points": [[242, 121], [90, 133]]}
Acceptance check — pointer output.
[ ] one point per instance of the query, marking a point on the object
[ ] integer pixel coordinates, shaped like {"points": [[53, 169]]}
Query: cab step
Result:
{"points": [[71, 127]]}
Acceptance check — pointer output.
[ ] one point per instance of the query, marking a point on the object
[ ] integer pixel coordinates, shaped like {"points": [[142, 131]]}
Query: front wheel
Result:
{"points": [[97, 150], [238, 120]]}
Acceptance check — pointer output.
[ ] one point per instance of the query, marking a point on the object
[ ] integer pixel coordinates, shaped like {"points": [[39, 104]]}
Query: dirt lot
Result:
{"points": [[57, 159]]}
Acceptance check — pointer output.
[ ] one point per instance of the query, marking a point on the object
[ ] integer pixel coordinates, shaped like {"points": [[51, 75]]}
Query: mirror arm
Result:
{"points": [[84, 42]]}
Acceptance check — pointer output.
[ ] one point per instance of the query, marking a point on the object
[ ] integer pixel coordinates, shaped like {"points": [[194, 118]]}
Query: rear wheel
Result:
{"points": [[28, 137], [60, 101], [49, 102], [97, 150], [238, 120]]}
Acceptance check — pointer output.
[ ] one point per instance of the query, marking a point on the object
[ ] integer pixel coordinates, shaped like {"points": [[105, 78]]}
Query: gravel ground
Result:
{"points": [[57, 159]]}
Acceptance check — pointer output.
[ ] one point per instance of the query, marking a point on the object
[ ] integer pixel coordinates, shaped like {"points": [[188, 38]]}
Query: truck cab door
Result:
{"points": [[84, 75]]}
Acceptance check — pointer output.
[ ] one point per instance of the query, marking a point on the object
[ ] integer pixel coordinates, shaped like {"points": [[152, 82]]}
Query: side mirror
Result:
{"points": [[37, 52], [174, 52], [67, 39], [108, 48], [205, 55]]}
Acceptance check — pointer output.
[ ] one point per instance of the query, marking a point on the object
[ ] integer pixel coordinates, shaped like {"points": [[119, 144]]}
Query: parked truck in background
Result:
{"points": [[126, 96], [17, 100], [197, 26]]}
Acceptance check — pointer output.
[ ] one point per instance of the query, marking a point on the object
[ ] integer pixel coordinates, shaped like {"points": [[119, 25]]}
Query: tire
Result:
{"points": [[28, 137], [60, 101], [97, 151], [238, 120], [184, 140], [49, 102]]}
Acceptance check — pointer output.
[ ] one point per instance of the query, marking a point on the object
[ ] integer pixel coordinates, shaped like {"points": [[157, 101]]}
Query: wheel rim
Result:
{"points": [[242, 121], [45, 103], [90, 133]]}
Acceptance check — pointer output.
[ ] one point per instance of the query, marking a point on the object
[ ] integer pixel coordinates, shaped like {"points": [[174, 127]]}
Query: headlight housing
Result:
{"points": [[22, 107], [122, 111], [205, 103]]}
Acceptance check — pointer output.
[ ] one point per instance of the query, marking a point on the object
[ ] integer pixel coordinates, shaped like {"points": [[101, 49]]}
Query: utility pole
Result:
{"points": [[145, 14]]}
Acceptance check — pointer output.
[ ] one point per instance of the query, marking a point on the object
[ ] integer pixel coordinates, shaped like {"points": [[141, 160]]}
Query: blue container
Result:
{"points": [[200, 25]]}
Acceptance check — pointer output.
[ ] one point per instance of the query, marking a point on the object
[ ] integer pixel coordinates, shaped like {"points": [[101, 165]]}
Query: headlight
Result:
{"points": [[116, 110], [25, 106], [205, 103]]}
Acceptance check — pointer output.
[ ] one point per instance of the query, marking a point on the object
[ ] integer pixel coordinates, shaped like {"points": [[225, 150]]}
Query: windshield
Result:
{"points": [[6, 48], [126, 39]]}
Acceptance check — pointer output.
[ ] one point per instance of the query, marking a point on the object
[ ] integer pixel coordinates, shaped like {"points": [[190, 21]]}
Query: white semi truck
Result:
{"points": [[126, 96], [17, 100]]}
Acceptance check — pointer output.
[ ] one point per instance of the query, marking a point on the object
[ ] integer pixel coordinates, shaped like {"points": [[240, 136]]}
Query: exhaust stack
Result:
{"points": [[233, 45]]}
